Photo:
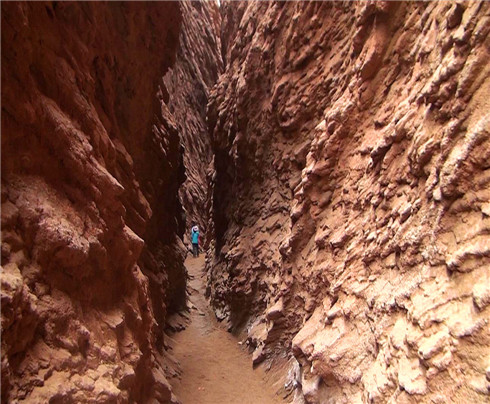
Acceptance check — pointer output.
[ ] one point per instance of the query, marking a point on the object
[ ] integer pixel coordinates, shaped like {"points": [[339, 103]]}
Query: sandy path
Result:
{"points": [[215, 369]]}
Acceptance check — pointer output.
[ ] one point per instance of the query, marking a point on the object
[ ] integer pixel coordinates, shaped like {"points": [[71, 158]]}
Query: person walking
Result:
{"points": [[195, 240]]}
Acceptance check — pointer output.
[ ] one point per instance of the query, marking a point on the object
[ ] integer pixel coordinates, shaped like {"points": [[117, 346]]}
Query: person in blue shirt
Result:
{"points": [[195, 240]]}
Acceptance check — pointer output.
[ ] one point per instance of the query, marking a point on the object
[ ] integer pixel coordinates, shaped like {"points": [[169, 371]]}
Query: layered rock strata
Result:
{"points": [[352, 196], [91, 220], [198, 63]]}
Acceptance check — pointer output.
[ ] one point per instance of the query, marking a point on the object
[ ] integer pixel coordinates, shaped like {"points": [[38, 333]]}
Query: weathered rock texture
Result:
{"points": [[91, 166], [198, 63], [352, 196]]}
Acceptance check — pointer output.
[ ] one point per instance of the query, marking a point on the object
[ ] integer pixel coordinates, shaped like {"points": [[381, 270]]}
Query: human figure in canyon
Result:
{"points": [[195, 240]]}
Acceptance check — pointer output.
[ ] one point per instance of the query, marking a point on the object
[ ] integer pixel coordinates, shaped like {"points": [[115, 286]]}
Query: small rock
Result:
{"points": [[481, 294], [275, 312], [455, 16], [432, 345], [411, 377], [486, 209], [405, 212], [258, 356], [437, 195]]}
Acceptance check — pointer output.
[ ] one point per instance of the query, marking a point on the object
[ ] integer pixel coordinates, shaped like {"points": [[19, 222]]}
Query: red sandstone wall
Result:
{"points": [[91, 165], [351, 201]]}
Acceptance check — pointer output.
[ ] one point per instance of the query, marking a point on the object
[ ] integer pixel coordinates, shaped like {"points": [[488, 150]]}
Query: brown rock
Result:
{"points": [[339, 176]]}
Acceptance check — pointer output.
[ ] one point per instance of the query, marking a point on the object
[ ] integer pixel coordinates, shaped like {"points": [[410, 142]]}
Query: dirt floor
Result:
{"points": [[215, 369]]}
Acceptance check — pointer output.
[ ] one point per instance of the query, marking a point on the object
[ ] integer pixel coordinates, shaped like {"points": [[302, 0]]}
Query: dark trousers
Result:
{"points": [[195, 250]]}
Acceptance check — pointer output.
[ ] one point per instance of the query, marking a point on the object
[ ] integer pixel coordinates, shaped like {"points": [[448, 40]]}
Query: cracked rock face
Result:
{"points": [[91, 166], [351, 196]]}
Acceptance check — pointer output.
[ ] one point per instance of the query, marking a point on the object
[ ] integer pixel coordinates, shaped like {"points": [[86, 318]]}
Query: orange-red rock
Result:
{"points": [[91, 166], [348, 169], [352, 149]]}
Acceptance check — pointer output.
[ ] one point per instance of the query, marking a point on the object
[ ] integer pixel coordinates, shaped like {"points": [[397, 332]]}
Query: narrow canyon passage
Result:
{"points": [[214, 368], [335, 156]]}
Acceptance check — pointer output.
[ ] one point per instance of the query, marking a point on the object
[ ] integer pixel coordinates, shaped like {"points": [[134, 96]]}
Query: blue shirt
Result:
{"points": [[195, 237]]}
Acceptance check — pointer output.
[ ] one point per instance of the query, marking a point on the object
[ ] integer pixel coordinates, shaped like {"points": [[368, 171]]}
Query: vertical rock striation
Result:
{"points": [[198, 63], [91, 166], [351, 198]]}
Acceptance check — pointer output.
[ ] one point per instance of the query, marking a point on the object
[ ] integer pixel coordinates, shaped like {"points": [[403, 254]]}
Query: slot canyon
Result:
{"points": [[335, 156]]}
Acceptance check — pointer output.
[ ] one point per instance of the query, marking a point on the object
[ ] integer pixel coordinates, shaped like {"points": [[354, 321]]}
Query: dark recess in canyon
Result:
{"points": [[334, 154]]}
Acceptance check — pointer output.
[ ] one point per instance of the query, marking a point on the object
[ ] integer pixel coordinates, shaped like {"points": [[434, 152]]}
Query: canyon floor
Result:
{"points": [[215, 368]]}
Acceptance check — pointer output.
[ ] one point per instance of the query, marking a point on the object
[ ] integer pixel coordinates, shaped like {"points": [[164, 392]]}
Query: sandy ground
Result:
{"points": [[215, 369]]}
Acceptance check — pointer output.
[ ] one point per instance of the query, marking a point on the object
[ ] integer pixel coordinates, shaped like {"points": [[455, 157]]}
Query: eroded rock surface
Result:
{"points": [[91, 166], [198, 63], [350, 194], [351, 199]]}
